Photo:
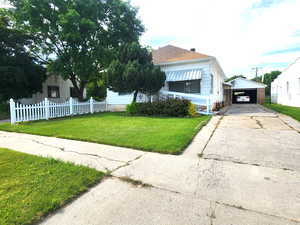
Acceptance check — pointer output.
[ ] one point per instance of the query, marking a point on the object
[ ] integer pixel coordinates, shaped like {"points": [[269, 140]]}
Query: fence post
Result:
{"points": [[12, 111], [47, 111], [71, 106], [91, 105], [106, 105]]}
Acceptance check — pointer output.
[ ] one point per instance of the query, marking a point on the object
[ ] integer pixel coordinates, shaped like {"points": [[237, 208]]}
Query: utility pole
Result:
{"points": [[256, 70]]}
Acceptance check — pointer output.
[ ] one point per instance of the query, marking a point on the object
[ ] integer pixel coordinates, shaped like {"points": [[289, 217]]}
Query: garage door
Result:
{"points": [[244, 96]]}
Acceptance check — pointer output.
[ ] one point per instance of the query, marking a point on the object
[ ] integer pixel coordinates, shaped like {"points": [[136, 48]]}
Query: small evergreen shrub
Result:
{"points": [[168, 107], [132, 109]]}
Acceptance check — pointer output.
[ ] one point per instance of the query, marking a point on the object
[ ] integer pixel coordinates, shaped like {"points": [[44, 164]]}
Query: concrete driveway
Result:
{"points": [[243, 168]]}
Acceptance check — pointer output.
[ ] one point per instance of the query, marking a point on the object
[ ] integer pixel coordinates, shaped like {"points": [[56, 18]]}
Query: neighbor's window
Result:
{"points": [[288, 87], [188, 86], [53, 92]]}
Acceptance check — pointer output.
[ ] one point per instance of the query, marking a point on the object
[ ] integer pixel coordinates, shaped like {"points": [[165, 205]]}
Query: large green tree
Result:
{"points": [[234, 77], [21, 74], [132, 71], [76, 37], [267, 79]]}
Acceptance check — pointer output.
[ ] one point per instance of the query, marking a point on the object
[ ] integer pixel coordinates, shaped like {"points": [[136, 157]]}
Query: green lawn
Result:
{"points": [[164, 135], [288, 110], [31, 186]]}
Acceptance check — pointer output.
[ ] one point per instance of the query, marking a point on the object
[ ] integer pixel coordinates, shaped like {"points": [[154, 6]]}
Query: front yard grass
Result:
{"points": [[293, 112], [31, 186], [157, 134]]}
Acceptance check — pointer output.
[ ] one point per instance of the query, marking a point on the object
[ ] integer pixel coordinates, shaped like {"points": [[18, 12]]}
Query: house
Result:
{"points": [[246, 91], [285, 89], [55, 89], [189, 74]]}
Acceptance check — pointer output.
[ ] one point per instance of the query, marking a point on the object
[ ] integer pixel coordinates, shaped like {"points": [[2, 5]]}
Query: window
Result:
{"points": [[53, 92], [287, 87], [73, 92], [188, 86], [299, 85]]}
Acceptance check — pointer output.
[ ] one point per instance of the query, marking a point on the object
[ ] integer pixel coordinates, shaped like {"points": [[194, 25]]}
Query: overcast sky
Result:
{"points": [[241, 34]]}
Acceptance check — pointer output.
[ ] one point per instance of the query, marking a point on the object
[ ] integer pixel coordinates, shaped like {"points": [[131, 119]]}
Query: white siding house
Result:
{"points": [[54, 88], [285, 90], [189, 75]]}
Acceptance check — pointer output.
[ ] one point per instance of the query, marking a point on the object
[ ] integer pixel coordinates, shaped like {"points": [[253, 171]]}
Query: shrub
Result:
{"points": [[169, 107], [132, 109]]}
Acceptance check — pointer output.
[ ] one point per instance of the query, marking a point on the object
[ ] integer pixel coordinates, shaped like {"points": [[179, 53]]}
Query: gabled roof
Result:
{"points": [[242, 83], [171, 53]]}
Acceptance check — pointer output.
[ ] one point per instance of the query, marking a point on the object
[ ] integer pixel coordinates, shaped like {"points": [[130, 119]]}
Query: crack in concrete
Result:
{"points": [[210, 137], [257, 122], [212, 214], [287, 124], [108, 171], [208, 157], [128, 163], [255, 211], [140, 183], [79, 153]]}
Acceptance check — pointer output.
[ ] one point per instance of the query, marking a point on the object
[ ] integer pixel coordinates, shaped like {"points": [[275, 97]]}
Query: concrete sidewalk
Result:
{"points": [[241, 169]]}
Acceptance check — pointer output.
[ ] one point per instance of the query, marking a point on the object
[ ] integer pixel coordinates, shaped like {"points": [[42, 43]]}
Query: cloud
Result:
{"points": [[265, 3], [284, 51], [239, 33]]}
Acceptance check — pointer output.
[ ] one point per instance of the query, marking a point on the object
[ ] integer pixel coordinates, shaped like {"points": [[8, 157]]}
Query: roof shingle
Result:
{"points": [[171, 53]]}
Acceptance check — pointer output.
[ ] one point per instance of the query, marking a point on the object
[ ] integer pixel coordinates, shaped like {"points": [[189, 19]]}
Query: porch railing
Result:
{"points": [[47, 109], [204, 104]]}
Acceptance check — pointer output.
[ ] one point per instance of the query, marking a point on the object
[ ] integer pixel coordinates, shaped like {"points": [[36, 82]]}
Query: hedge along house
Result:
{"points": [[285, 89], [246, 91], [190, 75]]}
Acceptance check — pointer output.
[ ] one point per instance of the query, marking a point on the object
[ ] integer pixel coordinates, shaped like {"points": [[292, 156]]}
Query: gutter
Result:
{"points": [[185, 61]]}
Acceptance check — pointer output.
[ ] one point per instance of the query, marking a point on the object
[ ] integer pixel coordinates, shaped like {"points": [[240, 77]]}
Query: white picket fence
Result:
{"points": [[47, 110]]}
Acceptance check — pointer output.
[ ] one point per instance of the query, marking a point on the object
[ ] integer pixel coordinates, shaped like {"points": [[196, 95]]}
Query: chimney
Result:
{"points": [[193, 50]]}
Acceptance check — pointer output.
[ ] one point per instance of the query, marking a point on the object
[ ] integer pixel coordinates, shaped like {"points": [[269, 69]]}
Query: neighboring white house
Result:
{"points": [[285, 89], [55, 89], [189, 75]]}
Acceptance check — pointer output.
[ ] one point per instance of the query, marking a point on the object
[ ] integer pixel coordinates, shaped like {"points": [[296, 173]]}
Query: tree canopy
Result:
{"points": [[234, 77], [21, 74], [76, 38], [267, 79], [132, 71]]}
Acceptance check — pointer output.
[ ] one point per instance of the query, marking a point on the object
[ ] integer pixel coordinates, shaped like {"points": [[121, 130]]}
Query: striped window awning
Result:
{"points": [[181, 75]]}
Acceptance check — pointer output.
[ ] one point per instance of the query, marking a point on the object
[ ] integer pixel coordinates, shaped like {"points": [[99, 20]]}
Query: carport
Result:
{"points": [[246, 91]]}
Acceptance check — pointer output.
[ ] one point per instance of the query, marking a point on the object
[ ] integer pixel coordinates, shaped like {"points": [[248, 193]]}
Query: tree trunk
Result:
{"points": [[78, 89], [135, 96]]}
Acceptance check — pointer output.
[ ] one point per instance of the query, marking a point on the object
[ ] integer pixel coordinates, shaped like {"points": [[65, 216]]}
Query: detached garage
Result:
{"points": [[247, 91]]}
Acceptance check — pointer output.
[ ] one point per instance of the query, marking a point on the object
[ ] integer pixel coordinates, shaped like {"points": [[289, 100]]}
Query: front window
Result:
{"points": [[188, 86], [53, 92]]}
